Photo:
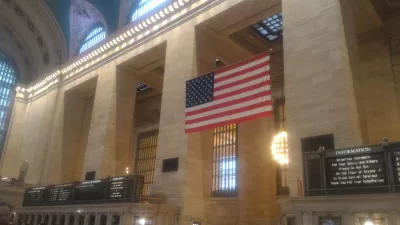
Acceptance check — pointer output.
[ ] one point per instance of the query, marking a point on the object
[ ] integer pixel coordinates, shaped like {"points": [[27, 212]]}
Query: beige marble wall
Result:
{"points": [[100, 149], [125, 106], [54, 161], [257, 198], [73, 113], [319, 87], [77, 115], [147, 113], [180, 65], [35, 137], [12, 151], [109, 145], [376, 92]]}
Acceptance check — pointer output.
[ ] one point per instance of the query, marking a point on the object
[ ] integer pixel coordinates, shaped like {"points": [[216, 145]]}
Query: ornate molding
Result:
{"points": [[129, 37]]}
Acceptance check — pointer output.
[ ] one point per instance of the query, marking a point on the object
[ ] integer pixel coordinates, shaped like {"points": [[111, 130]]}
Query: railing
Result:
{"points": [[361, 170]]}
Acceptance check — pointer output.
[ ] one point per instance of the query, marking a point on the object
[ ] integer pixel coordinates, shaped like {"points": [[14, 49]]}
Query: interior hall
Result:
{"points": [[199, 112]]}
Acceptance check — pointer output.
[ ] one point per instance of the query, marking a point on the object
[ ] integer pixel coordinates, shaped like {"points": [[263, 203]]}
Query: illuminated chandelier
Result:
{"points": [[279, 148]]}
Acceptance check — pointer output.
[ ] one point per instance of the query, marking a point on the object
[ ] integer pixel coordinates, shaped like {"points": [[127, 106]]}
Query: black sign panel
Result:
{"points": [[60, 194], [35, 196], [90, 190], [117, 188], [396, 166], [356, 171], [363, 170], [127, 188]]}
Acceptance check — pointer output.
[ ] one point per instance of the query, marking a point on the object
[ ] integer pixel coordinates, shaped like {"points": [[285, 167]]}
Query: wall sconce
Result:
{"points": [[127, 170], [280, 148], [280, 152]]}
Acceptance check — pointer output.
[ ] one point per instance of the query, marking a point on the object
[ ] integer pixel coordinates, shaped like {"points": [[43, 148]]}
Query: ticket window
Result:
{"points": [[115, 219], [145, 221], [30, 219], [46, 219], [103, 219], [34, 219], [62, 219], [24, 219], [330, 221], [81, 220], [371, 219], [71, 219], [38, 219], [291, 220], [92, 220], [54, 219]]}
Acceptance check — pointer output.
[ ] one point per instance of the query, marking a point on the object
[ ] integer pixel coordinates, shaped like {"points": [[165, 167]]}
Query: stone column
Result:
{"points": [[126, 96], [180, 66], [100, 149], [393, 218], [109, 145], [348, 218], [256, 173], [11, 158], [319, 88]]}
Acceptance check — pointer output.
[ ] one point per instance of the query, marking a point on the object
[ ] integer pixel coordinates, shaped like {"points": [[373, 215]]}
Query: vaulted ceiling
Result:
{"points": [[40, 35], [30, 36]]}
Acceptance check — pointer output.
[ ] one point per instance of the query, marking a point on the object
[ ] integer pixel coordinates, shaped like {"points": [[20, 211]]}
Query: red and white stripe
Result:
{"points": [[241, 92]]}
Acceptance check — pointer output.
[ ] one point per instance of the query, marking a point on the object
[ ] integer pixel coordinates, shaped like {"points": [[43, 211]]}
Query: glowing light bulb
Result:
{"points": [[279, 149]]}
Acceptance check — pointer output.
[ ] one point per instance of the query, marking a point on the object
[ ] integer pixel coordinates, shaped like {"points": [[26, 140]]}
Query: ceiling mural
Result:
{"points": [[43, 34], [83, 17], [76, 17]]}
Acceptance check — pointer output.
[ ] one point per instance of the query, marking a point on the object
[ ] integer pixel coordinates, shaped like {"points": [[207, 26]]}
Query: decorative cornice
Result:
{"points": [[131, 36]]}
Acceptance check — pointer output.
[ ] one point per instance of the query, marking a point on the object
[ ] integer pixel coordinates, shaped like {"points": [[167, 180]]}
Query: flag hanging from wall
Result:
{"points": [[233, 94]]}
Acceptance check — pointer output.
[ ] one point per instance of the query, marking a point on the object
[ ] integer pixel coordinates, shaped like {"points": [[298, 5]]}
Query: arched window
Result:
{"points": [[144, 7], [8, 81], [96, 35]]}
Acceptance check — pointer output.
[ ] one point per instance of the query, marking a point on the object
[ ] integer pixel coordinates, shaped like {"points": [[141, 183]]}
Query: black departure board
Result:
{"points": [[35, 196], [356, 170], [90, 190], [361, 170], [117, 188], [396, 166], [60, 194]]}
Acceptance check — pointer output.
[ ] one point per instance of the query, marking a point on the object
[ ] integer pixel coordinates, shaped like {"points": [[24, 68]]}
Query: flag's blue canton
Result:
{"points": [[200, 90]]}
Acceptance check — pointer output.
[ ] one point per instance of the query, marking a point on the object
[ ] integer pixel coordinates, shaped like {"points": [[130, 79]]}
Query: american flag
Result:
{"points": [[233, 94]]}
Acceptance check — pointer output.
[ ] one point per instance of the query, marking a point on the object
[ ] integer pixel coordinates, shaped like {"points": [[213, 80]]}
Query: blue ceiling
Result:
{"points": [[61, 10]]}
